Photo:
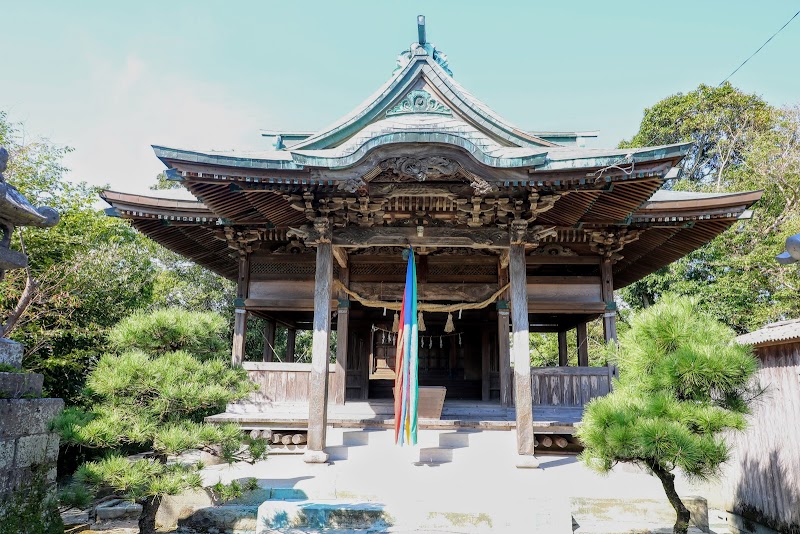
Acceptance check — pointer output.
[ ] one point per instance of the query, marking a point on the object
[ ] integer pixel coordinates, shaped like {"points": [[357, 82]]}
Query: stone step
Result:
{"points": [[276, 516], [433, 446], [544, 515]]}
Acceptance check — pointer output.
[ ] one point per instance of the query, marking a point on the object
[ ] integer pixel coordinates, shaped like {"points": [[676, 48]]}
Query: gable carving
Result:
{"points": [[420, 169], [419, 101]]}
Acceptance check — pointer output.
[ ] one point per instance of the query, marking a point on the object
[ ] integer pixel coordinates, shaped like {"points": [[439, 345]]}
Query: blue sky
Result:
{"points": [[109, 79]]}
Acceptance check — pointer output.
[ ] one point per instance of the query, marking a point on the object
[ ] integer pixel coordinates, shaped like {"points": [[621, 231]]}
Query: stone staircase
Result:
{"points": [[434, 447], [399, 489]]}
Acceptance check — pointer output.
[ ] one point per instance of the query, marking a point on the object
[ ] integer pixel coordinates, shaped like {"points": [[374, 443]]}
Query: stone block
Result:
{"points": [[7, 447], [17, 385], [25, 417], [13, 479], [11, 352], [51, 454], [633, 514], [174, 508], [31, 450], [118, 509], [222, 518]]}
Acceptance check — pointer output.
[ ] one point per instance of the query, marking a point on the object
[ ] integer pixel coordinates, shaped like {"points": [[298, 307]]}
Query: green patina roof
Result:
{"points": [[422, 103]]}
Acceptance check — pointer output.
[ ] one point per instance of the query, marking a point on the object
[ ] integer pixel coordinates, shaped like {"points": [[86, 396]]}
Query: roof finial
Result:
{"points": [[421, 29]]}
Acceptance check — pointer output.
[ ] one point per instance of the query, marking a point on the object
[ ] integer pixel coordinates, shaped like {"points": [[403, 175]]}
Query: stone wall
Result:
{"points": [[27, 447]]}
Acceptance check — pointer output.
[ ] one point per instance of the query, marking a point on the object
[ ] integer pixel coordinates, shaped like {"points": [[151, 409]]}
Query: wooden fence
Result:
{"points": [[762, 478], [570, 386], [283, 382]]}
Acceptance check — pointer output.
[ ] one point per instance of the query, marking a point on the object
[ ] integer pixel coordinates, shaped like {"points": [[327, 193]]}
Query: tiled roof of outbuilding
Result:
{"points": [[773, 334]]}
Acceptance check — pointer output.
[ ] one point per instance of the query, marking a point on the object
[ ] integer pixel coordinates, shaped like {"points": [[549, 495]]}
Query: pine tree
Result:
{"points": [[684, 381], [152, 395]]}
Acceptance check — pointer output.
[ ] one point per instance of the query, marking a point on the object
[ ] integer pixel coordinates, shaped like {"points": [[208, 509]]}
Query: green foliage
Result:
{"points": [[173, 329], [162, 182], [156, 401], [30, 509], [735, 277], [137, 479], [92, 270], [683, 381], [234, 490], [719, 121], [544, 346], [8, 368]]}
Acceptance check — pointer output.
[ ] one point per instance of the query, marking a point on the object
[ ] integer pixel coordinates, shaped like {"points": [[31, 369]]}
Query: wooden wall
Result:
{"points": [[283, 382], [569, 386], [762, 478]]}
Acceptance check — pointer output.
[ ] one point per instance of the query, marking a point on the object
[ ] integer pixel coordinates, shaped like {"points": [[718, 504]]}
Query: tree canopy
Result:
{"points": [[744, 144], [90, 270], [718, 121]]}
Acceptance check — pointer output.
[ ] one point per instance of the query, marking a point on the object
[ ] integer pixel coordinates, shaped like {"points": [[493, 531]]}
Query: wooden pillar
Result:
{"points": [[523, 401], [607, 288], [318, 381], [342, 334], [583, 345], [503, 346], [240, 319], [504, 354], [239, 337], [485, 354], [291, 334], [563, 355], [269, 340]]}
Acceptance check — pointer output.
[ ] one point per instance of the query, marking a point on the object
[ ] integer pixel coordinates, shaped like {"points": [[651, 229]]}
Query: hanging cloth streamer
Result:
{"points": [[406, 384], [442, 308]]}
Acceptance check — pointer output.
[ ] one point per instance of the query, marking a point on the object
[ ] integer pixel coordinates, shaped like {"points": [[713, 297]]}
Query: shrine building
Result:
{"points": [[515, 231]]}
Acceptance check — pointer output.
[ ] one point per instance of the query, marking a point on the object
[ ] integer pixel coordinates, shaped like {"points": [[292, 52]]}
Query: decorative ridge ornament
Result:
{"points": [[422, 48], [419, 101]]}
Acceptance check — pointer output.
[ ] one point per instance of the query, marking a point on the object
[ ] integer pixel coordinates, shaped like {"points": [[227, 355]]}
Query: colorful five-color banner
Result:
{"points": [[406, 387]]}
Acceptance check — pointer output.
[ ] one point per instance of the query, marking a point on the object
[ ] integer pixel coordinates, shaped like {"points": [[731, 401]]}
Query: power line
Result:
{"points": [[759, 49]]}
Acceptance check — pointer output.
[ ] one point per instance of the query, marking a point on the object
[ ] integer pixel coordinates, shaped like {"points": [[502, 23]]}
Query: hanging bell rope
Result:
{"points": [[442, 308], [396, 322], [420, 323]]}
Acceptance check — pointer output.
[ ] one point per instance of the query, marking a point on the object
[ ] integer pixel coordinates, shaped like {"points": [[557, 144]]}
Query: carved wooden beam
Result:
{"points": [[452, 292], [242, 241], [520, 234], [319, 232], [340, 255], [421, 236], [541, 203], [608, 243]]}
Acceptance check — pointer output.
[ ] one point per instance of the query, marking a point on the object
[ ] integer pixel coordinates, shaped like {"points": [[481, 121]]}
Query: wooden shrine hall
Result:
{"points": [[514, 232]]}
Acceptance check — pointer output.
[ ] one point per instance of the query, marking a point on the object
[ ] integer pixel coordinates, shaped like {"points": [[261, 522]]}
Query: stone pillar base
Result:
{"points": [[527, 461], [316, 457]]}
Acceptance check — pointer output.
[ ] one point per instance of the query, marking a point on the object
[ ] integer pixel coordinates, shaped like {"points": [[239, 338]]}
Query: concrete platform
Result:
{"points": [[453, 481]]}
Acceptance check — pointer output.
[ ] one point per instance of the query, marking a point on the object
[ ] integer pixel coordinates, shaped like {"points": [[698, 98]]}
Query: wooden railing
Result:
{"points": [[570, 386], [282, 382], [551, 386]]}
